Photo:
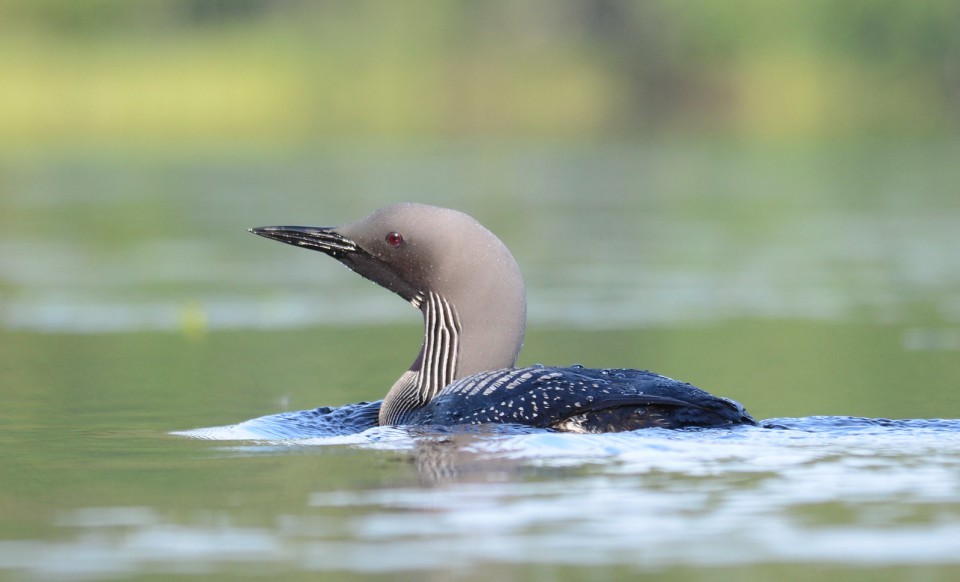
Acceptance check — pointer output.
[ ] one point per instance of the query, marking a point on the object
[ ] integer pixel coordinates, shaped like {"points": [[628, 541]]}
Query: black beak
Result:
{"points": [[317, 238], [330, 242]]}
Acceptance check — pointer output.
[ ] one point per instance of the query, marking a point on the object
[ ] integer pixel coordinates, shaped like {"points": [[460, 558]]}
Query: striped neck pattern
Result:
{"points": [[434, 368]]}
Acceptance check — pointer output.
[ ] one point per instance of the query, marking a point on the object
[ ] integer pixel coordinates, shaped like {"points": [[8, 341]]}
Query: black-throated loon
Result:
{"points": [[471, 293]]}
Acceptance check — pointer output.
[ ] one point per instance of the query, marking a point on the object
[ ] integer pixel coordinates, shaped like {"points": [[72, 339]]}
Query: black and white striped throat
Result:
{"points": [[441, 345]]}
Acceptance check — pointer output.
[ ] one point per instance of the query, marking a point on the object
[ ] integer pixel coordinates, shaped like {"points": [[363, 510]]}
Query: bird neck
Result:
{"points": [[458, 340]]}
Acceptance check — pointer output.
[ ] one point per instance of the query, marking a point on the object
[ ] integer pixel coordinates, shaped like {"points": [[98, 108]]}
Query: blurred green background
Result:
{"points": [[656, 167], [223, 72], [759, 197]]}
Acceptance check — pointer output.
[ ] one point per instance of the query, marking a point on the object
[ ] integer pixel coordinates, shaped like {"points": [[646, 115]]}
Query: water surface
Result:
{"points": [[803, 282]]}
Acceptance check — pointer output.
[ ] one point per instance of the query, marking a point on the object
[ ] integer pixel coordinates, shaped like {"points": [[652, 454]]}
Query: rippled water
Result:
{"points": [[820, 490], [802, 282], [665, 498]]}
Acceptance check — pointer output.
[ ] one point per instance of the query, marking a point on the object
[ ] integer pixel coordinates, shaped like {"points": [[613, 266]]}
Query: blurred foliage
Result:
{"points": [[168, 71]]}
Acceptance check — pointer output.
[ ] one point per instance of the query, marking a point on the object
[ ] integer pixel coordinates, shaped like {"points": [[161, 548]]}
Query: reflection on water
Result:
{"points": [[829, 490]]}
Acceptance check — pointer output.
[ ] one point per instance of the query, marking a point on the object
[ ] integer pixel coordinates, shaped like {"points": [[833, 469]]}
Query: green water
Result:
{"points": [[798, 282], [89, 473]]}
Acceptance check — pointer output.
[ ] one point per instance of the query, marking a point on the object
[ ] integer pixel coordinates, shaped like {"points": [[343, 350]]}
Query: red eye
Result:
{"points": [[394, 239]]}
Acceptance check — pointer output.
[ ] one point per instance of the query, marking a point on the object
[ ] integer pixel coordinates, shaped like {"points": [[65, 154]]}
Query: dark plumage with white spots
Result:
{"points": [[577, 399]]}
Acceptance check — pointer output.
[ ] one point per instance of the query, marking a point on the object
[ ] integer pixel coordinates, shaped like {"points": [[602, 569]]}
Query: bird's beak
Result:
{"points": [[330, 242], [317, 238]]}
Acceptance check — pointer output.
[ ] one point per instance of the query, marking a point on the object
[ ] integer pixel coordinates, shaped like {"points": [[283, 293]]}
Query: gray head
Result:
{"points": [[448, 265]]}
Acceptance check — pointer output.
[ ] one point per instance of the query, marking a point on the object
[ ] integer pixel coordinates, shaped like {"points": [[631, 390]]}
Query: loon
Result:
{"points": [[471, 293]]}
